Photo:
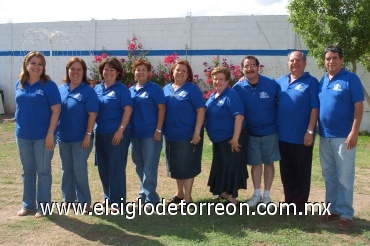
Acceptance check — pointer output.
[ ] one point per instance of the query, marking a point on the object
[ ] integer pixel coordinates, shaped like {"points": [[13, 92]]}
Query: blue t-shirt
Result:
{"points": [[260, 104], [76, 106], [32, 113], [181, 114], [145, 110], [221, 113], [295, 103], [111, 107], [337, 98]]}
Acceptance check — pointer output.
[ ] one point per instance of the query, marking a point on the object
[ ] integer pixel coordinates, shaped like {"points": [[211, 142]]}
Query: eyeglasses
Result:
{"points": [[250, 66]]}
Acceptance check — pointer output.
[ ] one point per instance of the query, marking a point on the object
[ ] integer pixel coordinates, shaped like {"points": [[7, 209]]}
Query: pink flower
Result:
{"points": [[104, 55], [207, 94], [131, 46], [168, 60], [98, 58], [209, 81]]}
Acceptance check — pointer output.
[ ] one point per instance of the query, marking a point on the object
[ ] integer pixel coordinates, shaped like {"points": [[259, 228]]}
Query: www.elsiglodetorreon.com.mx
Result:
{"points": [[130, 210]]}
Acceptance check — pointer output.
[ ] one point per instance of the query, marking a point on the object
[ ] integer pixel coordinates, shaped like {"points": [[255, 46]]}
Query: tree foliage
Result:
{"points": [[342, 22]]}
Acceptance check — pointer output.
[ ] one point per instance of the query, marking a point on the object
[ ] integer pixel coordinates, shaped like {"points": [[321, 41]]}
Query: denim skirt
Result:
{"points": [[183, 159]]}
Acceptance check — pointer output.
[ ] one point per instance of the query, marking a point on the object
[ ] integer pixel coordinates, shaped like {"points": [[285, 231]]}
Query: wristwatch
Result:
{"points": [[158, 130], [310, 132], [88, 133]]}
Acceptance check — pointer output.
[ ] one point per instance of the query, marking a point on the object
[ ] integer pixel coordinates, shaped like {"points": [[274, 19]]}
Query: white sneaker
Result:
{"points": [[255, 199], [266, 200]]}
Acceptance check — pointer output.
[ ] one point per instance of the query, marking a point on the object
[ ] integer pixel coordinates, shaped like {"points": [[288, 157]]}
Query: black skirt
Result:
{"points": [[229, 172]]}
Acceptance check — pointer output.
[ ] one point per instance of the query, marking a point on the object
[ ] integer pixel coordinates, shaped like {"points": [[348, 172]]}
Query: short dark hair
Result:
{"points": [[222, 69], [113, 63], [181, 62], [74, 59], [250, 57], [144, 62], [299, 51], [335, 49]]}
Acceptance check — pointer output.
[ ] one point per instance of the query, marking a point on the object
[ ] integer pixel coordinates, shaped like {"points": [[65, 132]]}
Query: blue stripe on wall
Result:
{"points": [[158, 52]]}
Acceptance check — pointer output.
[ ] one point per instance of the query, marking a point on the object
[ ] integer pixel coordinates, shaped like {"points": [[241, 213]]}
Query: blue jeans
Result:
{"points": [[75, 182], [338, 170], [145, 155], [111, 161], [36, 162]]}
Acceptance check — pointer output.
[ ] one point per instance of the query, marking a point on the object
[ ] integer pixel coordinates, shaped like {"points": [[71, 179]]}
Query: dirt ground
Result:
{"points": [[6, 117], [65, 236]]}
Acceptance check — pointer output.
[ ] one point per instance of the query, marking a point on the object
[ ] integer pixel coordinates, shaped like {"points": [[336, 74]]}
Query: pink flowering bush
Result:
{"points": [[235, 70], [161, 75], [135, 52], [94, 69]]}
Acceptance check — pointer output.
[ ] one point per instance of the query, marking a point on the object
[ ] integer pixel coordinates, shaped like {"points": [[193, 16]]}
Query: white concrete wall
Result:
{"points": [[269, 38]]}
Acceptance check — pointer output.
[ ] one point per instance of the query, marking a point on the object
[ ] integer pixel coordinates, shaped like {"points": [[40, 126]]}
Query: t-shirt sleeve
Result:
{"points": [[125, 99], [234, 104], [158, 95], [314, 93], [52, 93], [92, 101], [196, 97], [356, 89]]}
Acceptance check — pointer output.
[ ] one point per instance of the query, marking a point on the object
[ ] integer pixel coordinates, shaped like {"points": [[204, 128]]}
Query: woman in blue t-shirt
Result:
{"points": [[36, 115], [226, 128], [183, 132], [113, 132], [147, 121], [75, 136]]}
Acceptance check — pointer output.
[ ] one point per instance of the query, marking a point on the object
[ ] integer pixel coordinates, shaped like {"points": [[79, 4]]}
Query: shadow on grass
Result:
{"points": [[196, 227], [103, 233]]}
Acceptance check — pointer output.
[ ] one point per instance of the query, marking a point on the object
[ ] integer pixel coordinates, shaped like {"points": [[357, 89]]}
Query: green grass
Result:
{"points": [[175, 230]]}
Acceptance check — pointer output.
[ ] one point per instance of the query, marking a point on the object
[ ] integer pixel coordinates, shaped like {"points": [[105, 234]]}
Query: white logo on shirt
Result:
{"points": [[144, 95], [264, 95], [77, 96], [221, 102], [299, 87], [39, 92], [183, 94], [337, 87], [111, 94]]}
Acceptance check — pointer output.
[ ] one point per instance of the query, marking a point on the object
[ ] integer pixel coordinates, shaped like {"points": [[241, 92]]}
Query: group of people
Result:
{"points": [[258, 121]]}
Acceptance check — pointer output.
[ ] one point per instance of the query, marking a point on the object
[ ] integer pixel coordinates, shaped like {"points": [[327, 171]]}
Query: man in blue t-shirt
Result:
{"points": [[259, 96], [298, 109], [341, 107]]}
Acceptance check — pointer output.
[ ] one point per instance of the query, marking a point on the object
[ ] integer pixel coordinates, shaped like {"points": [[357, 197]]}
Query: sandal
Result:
{"points": [[175, 199], [228, 202], [221, 197], [87, 211], [38, 215], [23, 212]]}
